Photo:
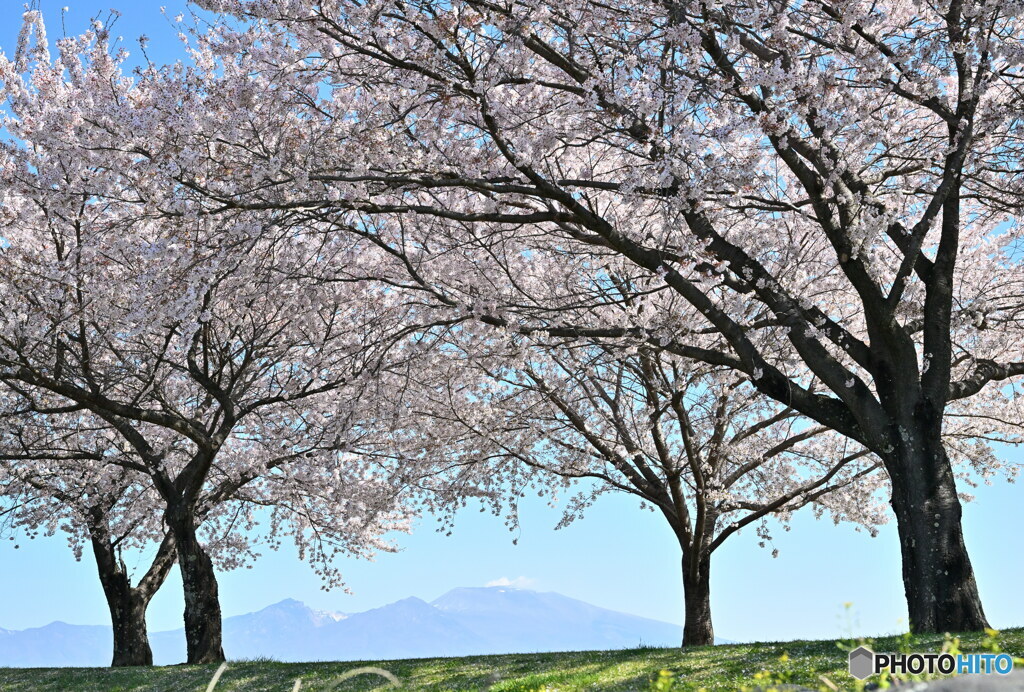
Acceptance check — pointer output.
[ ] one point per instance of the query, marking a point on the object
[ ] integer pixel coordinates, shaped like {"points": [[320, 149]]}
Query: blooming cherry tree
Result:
{"points": [[220, 371], [695, 443], [844, 173]]}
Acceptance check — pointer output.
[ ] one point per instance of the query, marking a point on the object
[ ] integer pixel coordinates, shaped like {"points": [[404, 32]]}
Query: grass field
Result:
{"points": [[816, 664]]}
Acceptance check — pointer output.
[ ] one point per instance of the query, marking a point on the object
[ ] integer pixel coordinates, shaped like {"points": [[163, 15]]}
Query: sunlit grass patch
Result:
{"points": [[814, 664]]}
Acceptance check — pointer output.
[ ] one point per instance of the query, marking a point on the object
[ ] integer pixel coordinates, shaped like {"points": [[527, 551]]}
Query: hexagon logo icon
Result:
{"points": [[862, 662]]}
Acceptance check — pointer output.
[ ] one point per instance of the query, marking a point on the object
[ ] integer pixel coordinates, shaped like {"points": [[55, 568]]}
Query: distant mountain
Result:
{"points": [[410, 628], [56, 644], [513, 620], [286, 627], [463, 622]]}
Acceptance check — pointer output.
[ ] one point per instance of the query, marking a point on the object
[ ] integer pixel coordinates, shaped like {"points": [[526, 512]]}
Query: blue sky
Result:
{"points": [[617, 557]]}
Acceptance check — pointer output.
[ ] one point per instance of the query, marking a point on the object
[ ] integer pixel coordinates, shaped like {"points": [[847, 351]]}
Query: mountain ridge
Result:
{"points": [[461, 622]]}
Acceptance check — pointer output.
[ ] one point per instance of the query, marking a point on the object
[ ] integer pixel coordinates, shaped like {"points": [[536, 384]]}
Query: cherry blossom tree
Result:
{"points": [[204, 368], [844, 173], [695, 443], [236, 387], [220, 373]]}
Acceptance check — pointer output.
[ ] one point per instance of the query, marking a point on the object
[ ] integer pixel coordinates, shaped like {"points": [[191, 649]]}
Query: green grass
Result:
{"points": [[731, 667]]}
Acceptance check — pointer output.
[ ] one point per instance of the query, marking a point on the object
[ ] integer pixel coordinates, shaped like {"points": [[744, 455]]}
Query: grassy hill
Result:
{"points": [[816, 664]]}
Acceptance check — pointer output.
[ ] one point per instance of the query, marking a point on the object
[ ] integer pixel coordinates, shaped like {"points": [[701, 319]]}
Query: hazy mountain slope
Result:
{"points": [[57, 644], [462, 622], [521, 620], [283, 631]]}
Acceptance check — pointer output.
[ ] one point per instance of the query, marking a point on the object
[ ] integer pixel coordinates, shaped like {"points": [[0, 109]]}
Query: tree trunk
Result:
{"points": [[131, 641], [202, 600], [127, 607], [942, 595], [697, 627]]}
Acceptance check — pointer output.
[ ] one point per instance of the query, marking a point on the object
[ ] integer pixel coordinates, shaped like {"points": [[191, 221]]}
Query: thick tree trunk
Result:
{"points": [[131, 641], [202, 600], [127, 607], [942, 595], [697, 627]]}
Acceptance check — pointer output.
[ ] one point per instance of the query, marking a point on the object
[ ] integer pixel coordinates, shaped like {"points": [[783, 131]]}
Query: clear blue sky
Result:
{"points": [[618, 557]]}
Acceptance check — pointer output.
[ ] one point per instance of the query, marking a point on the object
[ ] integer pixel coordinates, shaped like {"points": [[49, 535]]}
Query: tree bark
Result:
{"points": [[131, 640], [127, 608], [697, 627], [203, 626], [128, 604], [941, 592]]}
